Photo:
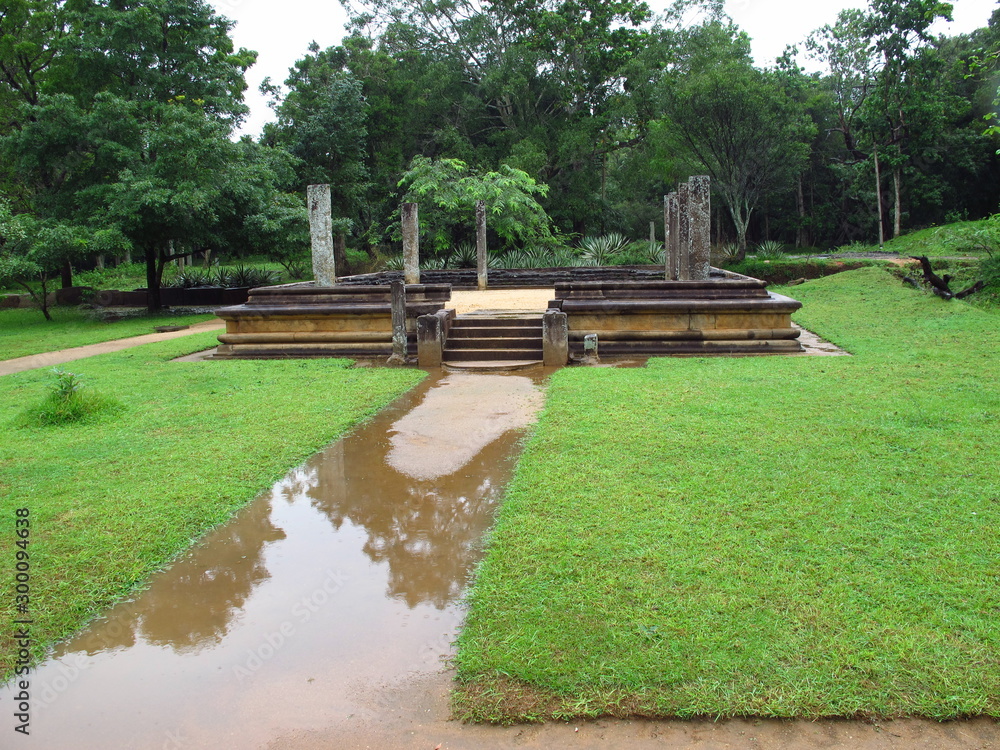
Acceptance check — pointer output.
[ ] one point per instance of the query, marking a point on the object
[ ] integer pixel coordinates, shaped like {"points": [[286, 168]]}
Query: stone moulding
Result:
{"points": [[304, 320], [732, 315]]}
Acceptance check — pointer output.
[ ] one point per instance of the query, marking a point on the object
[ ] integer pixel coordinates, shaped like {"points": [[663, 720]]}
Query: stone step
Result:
{"points": [[499, 365], [491, 355], [494, 333], [493, 342], [483, 322]]}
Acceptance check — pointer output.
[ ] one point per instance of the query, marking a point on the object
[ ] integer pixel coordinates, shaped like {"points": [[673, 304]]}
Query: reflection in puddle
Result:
{"points": [[344, 578]]}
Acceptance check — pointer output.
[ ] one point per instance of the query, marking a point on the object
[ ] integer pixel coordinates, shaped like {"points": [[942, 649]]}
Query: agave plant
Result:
{"points": [[463, 256], [536, 257], [729, 252], [393, 263], [770, 250], [191, 278], [432, 264], [564, 258], [246, 276], [601, 251], [509, 260], [656, 253]]}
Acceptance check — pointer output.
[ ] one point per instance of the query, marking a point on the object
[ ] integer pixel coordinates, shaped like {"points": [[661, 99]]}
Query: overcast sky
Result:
{"points": [[281, 31]]}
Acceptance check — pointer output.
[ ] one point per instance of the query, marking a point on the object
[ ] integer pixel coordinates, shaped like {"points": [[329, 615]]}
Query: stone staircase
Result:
{"points": [[494, 340]]}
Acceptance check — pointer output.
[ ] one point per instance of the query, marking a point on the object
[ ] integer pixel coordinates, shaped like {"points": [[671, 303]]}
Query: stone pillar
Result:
{"points": [[555, 338], [398, 323], [671, 230], [700, 214], [481, 270], [683, 233], [411, 239], [431, 335], [590, 353], [321, 235]]}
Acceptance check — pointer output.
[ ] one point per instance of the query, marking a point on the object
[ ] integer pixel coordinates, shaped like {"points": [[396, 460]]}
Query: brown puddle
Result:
{"points": [[344, 579]]}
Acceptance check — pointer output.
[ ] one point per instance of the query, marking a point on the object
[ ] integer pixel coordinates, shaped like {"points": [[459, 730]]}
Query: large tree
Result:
{"points": [[138, 138], [740, 125]]}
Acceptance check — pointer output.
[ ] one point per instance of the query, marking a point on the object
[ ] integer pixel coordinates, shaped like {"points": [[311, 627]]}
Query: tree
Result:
{"points": [[447, 191], [740, 126], [32, 252], [135, 143]]}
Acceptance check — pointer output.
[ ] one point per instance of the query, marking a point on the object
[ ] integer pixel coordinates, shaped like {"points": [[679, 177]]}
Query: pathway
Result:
{"points": [[51, 359]]}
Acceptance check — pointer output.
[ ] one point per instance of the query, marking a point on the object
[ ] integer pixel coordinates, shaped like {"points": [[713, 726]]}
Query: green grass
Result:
{"points": [[113, 499], [959, 239], [759, 536], [24, 332]]}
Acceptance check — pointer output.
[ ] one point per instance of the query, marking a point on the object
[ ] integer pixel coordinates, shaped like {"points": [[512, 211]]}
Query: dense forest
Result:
{"points": [[572, 118]]}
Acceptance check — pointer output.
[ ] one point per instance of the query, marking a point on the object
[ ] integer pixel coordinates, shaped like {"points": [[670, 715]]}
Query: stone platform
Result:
{"points": [[305, 320], [730, 315]]}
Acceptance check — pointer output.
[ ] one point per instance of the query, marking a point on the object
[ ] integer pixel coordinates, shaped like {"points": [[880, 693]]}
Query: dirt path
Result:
{"points": [[51, 359]]}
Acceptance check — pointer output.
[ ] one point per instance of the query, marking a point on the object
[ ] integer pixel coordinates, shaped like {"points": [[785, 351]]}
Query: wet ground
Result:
{"points": [[315, 603], [322, 616]]}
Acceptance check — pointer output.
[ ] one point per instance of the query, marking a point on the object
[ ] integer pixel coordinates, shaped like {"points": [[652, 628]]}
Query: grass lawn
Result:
{"points": [[114, 500], [760, 536], [24, 332]]}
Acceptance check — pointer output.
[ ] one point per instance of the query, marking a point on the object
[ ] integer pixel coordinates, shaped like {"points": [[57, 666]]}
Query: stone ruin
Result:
{"points": [[687, 308]]}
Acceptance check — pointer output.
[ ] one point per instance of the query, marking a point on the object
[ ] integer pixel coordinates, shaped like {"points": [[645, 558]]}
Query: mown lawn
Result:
{"points": [[759, 536], [24, 332], [112, 501]]}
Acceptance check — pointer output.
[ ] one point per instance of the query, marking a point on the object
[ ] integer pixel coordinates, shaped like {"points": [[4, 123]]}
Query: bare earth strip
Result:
{"points": [[51, 359]]}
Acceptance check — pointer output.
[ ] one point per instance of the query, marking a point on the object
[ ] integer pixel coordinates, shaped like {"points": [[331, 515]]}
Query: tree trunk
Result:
{"points": [[741, 223], [800, 204], [100, 262], [340, 254], [67, 274], [896, 179], [208, 257], [153, 303], [878, 197]]}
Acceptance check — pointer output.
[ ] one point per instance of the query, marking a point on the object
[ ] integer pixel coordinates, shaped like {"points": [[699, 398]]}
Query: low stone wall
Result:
{"points": [[303, 320], [732, 315], [514, 278]]}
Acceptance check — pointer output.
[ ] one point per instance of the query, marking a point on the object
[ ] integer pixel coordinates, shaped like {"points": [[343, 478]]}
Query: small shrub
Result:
{"points": [[246, 276], [463, 256], [191, 278], [393, 263], [431, 264], [67, 403], [770, 250], [601, 251]]}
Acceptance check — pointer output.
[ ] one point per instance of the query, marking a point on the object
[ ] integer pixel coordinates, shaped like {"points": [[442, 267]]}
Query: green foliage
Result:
{"points": [[112, 500], [447, 190], [67, 403], [603, 250], [770, 250], [730, 573], [24, 332]]}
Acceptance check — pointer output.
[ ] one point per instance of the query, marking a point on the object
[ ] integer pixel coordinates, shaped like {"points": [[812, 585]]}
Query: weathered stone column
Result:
{"points": [[481, 270], [671, 230], [411, 239], [398, 295], [321, 235], [431, 335], [683, 233], [555, 338], [700, 213]]}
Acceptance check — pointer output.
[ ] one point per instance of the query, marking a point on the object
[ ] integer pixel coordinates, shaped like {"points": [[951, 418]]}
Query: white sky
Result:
{"points": [[281, 31]]}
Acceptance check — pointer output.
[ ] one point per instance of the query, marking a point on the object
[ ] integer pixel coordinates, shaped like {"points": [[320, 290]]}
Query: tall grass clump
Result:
{"points": [[68, 402]]}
